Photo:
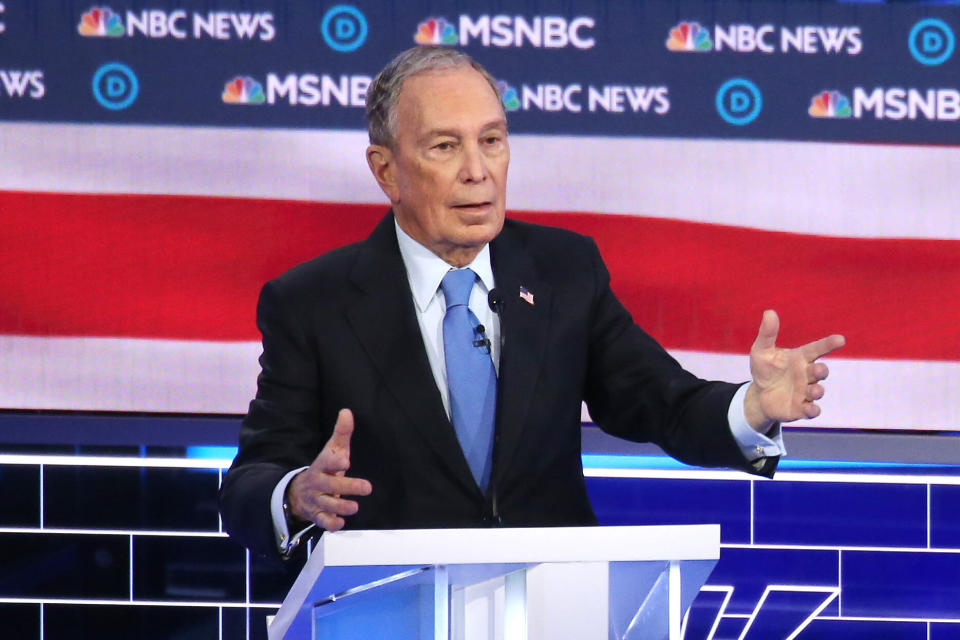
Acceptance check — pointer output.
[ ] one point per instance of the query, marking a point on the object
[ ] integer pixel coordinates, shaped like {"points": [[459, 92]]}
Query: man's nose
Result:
{"points": [[474, 167]]}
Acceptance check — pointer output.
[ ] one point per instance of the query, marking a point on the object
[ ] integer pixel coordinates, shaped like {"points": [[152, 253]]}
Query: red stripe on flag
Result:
{"points": [[704, 287], [191, 267], [155, 266]]}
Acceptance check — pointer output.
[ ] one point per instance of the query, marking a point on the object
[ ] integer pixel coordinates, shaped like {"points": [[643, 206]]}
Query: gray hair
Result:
{"points": [[384, 91]]}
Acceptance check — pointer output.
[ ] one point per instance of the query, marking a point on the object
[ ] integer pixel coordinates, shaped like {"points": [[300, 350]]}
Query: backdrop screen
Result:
{"points": [[160, 161]]}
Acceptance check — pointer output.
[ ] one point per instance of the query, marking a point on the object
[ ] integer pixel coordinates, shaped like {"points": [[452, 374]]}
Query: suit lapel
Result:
{"points": [[384, 319], [524, 326]]}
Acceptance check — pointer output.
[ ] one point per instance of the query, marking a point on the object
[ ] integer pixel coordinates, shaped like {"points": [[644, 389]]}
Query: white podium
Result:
{"points": [[626, 583]]}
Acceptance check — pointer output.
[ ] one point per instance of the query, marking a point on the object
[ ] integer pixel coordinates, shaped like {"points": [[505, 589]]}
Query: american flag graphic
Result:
{"points": [[132, 256], [526, 296]]}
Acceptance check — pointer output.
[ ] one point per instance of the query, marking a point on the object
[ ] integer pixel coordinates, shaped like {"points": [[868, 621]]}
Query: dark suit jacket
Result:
{"points": [[341, 331]]}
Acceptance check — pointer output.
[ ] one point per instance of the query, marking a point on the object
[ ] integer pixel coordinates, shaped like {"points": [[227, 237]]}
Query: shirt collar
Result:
{"points": [[425, 269]]}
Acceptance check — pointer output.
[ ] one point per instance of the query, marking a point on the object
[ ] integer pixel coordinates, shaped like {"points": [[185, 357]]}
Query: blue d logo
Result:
{"points": [[115, 86], [931, 41], [344, 28], [739, 101]]}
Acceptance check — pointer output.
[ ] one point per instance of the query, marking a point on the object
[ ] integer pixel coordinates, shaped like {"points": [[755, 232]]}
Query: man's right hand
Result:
{"points": [[314, 494]]}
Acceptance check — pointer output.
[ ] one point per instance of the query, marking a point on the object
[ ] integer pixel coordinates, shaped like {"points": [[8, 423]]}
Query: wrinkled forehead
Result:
{"points": [[460, 95]]}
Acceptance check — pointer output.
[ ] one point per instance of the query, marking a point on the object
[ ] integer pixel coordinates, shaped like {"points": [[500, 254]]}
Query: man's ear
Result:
{"points": [[381, 163]]}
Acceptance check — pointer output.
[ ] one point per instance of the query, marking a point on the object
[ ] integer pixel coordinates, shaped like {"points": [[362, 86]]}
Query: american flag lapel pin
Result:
{"points": [[526, 295]]}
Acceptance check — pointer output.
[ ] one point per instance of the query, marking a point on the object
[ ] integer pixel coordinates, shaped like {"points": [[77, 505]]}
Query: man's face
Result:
{"points": [[447, 173]]}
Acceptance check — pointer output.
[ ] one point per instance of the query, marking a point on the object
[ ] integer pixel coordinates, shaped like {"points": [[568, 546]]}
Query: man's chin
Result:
{"points": [[479, 234]]}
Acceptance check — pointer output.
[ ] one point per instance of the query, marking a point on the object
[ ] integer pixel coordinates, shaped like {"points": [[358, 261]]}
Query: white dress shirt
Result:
{"points": [[425, 270]]}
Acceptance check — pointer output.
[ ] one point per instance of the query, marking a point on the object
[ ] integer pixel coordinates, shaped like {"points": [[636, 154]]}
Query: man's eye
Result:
{"points": [[443, 146]]}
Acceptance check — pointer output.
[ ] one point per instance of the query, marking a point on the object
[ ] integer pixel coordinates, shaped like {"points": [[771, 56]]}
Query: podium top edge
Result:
{"points": [[520, 545]]}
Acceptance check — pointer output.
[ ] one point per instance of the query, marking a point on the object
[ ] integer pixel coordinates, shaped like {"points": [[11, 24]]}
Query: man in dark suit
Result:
{"points": [[361, 369]]}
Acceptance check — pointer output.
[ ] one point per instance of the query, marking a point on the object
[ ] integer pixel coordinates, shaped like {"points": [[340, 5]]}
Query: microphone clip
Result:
{"points": [[482, 340]]}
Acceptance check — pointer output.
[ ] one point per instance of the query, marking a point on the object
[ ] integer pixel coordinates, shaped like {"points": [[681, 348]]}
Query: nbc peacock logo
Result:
{"points": [[100, 22], [689, 36], [829, 104], [243, 90], [511, 101], [436, 31]]}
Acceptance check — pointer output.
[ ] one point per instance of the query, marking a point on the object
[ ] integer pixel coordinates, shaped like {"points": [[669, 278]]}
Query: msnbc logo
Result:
{"points": [[100, 22], [689, 36], [436, 31], [830, 104], [511, 101], [243, 90]]}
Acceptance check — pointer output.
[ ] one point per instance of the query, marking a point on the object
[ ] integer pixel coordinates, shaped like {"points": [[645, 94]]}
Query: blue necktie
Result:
{"points": [[471, 378]]}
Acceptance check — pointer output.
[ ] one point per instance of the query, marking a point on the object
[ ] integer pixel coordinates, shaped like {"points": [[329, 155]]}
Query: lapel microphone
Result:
{"points": [[483, 340]]}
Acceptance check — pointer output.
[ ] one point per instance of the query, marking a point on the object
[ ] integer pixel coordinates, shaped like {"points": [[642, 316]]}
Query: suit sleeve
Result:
{"points": [[281, 431], [635, 390]]}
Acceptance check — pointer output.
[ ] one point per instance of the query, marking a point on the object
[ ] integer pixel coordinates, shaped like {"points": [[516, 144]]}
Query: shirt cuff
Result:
{"points": [[752, 444], [285, 542]]}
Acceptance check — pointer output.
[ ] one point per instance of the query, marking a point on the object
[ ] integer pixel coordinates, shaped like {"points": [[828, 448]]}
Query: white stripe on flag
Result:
{"points": [[873, 394], [118, 374], [115, 374], [818, 188]]}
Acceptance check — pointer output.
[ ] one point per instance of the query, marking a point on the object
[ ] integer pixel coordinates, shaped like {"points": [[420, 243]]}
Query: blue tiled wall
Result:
{"points": [[838, 556], [619, 501], [836, 513], [944, 510], [143, 542]]}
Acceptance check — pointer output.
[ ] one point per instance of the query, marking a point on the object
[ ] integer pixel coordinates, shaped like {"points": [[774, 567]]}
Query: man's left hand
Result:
{"points": [[786, 382]]}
